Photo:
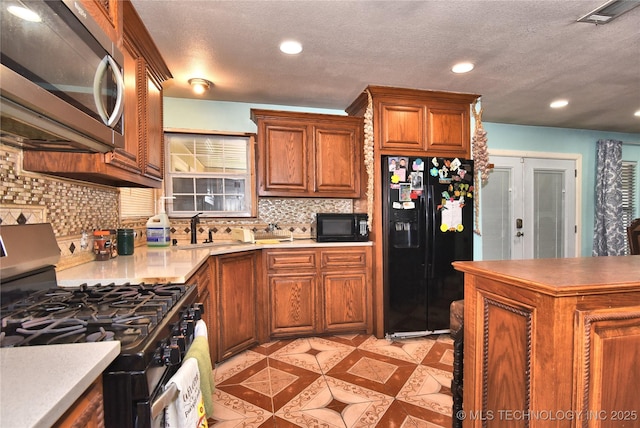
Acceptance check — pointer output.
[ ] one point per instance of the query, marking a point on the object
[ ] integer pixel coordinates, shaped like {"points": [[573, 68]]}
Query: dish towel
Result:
{"points": [[199, 351], [200, 329], [187, 410]]}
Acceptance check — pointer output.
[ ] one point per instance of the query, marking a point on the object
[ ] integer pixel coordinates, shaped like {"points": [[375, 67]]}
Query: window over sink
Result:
{"points": [[210, 173]]}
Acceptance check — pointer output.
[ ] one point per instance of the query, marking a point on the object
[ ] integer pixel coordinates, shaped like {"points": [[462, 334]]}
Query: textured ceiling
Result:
{"points": [[527, 53]]}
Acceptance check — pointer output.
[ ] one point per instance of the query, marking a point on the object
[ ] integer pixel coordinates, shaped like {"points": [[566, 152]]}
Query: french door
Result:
{"points": [[529, 208]]}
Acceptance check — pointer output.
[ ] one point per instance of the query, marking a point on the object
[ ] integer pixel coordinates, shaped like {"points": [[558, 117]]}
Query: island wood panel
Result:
{"points": [[565, 332], [607, 356]]}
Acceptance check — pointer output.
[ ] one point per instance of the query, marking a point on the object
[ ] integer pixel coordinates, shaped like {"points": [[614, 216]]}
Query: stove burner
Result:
{"points": [[100, 336]]}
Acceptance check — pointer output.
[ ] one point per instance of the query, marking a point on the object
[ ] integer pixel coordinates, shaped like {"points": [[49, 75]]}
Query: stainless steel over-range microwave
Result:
{"points": [[339, 227], [61, 79]]}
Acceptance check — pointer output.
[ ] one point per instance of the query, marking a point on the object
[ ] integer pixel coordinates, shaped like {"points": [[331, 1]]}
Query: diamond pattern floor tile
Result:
{"points": [[339, 381]]}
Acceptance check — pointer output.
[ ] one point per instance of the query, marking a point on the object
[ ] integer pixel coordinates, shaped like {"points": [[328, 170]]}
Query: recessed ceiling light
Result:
{"points": [[200, 86], [291, 47], [462, 67], [637, 113], [559, 104], [24, 13]]}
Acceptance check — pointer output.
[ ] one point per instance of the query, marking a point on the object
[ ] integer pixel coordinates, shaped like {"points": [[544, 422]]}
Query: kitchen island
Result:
{"points": [[552, 342]]}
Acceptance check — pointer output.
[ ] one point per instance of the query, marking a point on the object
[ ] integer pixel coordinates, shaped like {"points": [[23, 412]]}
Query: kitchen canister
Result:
{"points": [[125, 242], [104, 244]]}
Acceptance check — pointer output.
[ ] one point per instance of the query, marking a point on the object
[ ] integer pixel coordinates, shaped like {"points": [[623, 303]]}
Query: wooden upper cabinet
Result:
{"points": [[153, 135], [283, 154], [448, 129], [308, 155], [422, 122], [402, 126], [337, 156], [108, 15]]}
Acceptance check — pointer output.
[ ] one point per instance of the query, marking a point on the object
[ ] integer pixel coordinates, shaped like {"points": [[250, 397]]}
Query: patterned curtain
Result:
{"points": [[608, 236]]}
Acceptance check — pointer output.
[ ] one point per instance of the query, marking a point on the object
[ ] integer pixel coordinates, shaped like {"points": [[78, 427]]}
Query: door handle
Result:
{"points": [[519, 234]]}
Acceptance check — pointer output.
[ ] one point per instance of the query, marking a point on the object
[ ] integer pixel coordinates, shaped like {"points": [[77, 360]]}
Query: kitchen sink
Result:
{"points": [[208, 245]]}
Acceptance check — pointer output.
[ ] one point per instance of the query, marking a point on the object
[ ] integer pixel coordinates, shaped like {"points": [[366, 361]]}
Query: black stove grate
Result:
{"points": [[128, 313]]}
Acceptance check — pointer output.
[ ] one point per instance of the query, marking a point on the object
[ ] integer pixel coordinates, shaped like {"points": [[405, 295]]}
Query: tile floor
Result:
{"points": [[338, 381]]}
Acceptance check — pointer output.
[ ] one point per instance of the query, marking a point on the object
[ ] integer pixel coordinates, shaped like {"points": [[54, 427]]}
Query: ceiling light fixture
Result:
{"points": [[559, 104], [609, 11], [200, 86], [637, 113], [291, 47], [462, 67], [24, 13]]}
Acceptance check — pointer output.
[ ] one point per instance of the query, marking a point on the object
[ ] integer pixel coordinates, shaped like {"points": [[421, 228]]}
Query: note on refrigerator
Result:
{"points": [[451, 216]]}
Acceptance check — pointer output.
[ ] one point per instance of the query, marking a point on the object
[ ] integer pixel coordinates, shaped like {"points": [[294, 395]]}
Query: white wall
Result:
{"points": [[235, 117]]}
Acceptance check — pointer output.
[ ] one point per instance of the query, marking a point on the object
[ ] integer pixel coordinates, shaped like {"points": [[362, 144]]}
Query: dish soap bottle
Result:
{"points": [[158, 234]]}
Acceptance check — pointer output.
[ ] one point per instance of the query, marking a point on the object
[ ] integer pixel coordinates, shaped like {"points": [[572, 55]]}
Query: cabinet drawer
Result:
{"points": [[343, 258], [291, 260]]}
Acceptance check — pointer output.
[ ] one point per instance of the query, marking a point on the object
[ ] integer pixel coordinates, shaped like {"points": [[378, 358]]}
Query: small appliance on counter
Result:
{"points": [[340, 227], [249, 236]]}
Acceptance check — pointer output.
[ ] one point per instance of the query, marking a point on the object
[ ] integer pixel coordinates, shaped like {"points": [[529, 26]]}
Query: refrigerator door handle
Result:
{"points": [[431, 213]]}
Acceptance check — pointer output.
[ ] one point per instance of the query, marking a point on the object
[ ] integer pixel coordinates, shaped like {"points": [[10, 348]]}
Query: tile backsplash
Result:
{"points": [[75, 209]]}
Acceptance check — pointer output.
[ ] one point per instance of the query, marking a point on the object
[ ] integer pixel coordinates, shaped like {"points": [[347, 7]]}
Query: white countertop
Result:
{"points": [[167, 264], [39, 383]]}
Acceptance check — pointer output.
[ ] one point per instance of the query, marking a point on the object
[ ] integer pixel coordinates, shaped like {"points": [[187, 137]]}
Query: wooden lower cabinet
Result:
{"points": [[552, 342], [203, 280], [87, 411], [253, 296], [318, 291], [293, 307], [236, 301], [227, 287]]}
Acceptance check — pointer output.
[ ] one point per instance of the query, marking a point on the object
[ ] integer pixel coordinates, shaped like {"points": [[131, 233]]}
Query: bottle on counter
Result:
{"points": [[158, 227]]}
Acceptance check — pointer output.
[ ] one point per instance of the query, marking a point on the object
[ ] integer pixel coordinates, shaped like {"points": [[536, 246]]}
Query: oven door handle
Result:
{"points": [[167, 397]]}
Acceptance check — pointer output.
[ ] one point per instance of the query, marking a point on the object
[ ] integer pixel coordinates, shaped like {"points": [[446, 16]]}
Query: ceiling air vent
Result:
{"points": [[609, 11]]}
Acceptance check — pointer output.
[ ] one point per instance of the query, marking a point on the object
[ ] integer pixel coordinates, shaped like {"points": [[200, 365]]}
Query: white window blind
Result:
{"points": [[628, 193], [136, 202]]}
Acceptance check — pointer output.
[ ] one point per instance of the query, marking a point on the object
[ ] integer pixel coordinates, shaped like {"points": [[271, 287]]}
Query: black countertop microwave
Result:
{"points": [[340, 227], [61, 81]]}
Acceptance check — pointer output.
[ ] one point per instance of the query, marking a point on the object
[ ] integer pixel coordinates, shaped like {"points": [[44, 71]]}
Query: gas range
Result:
{"points": [[154, 322], [127, 313]]}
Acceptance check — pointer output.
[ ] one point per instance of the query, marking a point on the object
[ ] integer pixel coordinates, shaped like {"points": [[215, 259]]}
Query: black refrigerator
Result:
{"points": [[427, 224]]}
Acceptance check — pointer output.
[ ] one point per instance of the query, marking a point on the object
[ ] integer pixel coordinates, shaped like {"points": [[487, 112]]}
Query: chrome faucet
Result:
{"points": [[194, 221]]}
